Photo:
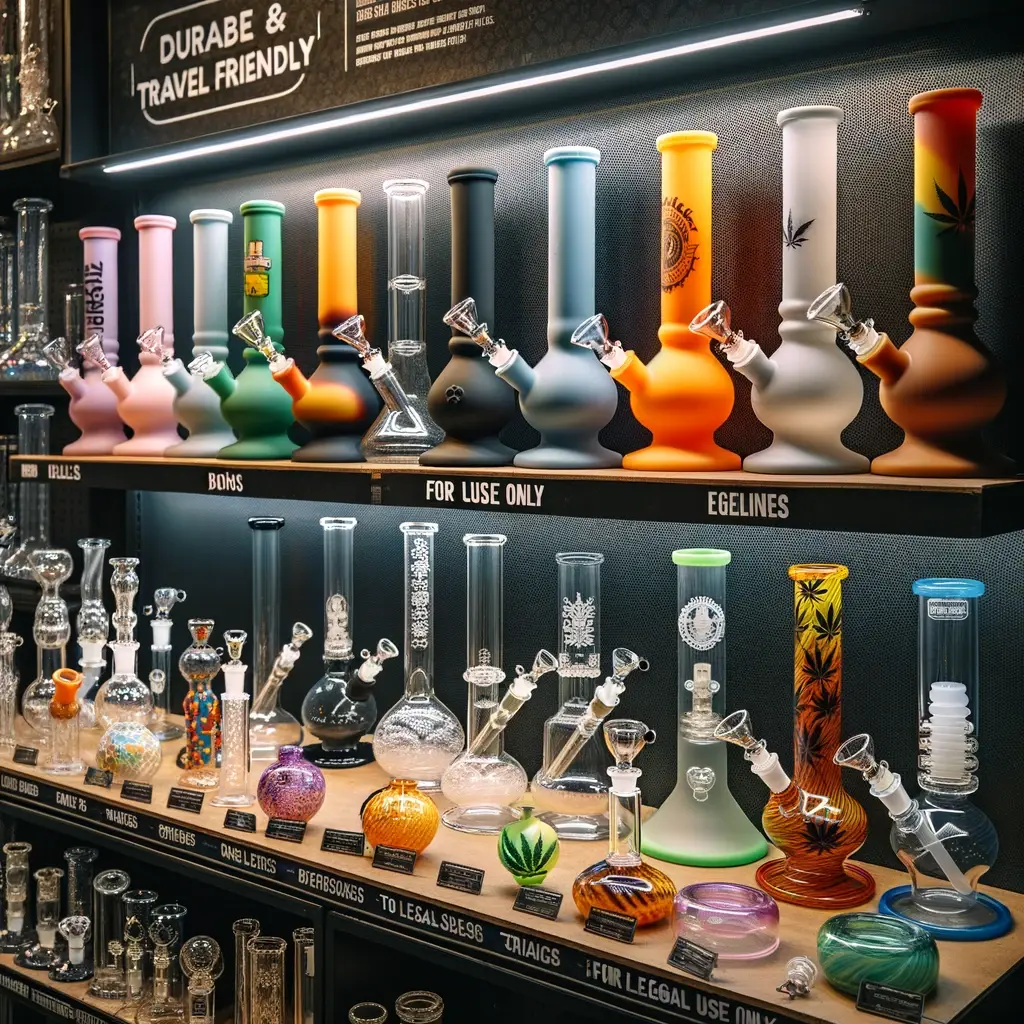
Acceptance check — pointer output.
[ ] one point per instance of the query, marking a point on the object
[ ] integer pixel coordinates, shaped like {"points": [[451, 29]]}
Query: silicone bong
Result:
{"points": [[339, 708], [93, 407], [623, 882], [164, 599], [941, 386], [807, 392], [233, 782], [41, 955], [418, 737], [93, 623], [199, 664], [196, 407], [700, 822], [254, 407], [202, 964], [63, 756], [336, 404], [16, 934], [270, 726], [467, 401], [684, 394], [567, 397]]}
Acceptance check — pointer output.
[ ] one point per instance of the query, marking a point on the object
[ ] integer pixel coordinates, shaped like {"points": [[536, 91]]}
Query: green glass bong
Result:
{"points": [[700, 822]]}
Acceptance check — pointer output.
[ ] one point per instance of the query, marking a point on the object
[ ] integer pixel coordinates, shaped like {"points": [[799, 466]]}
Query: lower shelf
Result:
{"points": [[66, 1002]]}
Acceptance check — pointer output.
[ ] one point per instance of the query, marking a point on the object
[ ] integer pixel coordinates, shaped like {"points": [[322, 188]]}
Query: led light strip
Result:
{"points": [[483, 91]]}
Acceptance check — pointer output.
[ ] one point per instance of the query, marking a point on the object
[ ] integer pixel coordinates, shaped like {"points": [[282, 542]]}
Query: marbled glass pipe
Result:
{"points": [[199, 664]]}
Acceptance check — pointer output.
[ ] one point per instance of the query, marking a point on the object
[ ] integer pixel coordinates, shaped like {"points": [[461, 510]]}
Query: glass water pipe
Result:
{"points": [[33, 498], [340, 708], [41, 955], [93, 623], [25, 360], [270, 726], [16, 934], [303, 967], [199, 664], [63, 756], [418, 737], [164, 599], [202, 964], [75, 930], [233, 783], [34, 128], [244, 930], [9, 643], [623, 882], [108, 930]]}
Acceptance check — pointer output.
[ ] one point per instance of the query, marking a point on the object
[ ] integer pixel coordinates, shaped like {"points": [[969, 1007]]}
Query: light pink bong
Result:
{"points": [[145, 402], [93, 407]]}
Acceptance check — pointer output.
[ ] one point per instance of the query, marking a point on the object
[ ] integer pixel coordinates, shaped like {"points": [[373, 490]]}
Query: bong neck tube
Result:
{"points": [[419, 608], [338, 587], [484, 628], [579, 611], [266, 595]]}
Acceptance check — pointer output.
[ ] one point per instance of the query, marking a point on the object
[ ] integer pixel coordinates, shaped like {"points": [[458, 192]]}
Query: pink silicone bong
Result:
{"points": [[93, 407], [146, 402]]}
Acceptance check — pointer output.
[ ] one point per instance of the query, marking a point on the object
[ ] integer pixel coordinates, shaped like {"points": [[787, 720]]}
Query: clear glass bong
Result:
{"points": [[945, 842], [25, 359], [164, 599], [270, 726], [202, 964], [33, 498], [419, 737], [340, 708], [484, 781], [93, 624]]}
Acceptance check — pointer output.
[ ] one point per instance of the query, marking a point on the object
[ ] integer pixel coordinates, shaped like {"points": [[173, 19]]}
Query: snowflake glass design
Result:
{"points": [[578, 622], [419, 597]]}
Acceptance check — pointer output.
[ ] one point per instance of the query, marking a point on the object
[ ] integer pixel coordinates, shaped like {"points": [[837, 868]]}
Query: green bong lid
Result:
{"points": [[701, 556]]}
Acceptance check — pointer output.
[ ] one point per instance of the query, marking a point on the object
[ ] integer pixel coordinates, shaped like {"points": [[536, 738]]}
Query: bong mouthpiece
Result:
{"points": [[152, 341], [91, 350], [463, 317], [58, 354]]}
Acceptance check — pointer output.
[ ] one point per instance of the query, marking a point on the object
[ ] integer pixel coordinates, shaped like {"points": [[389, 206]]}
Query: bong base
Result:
{"points": [[480, 820], [336, 448], [986, 919], [484, 451], [13, 942], [95, 443], [343, 757], [552, 456], [147, 444], [581, 827], [784, 457], [276, 447], [36, 957], [666, 458], [852, 887], [200, 446], [67, 972], [958, 457]]}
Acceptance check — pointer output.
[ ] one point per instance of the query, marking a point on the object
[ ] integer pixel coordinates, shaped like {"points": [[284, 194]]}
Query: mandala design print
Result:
{"points": [[337, 642], [701, 623], [419, 571], [678, 251]]}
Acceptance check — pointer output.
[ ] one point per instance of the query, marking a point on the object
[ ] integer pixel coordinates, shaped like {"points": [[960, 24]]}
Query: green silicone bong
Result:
{"points": [[700, 822], [255, 406]]}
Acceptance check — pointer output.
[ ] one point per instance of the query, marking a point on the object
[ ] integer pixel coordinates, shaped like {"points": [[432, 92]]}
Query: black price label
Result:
{"points": [[610, 925], [140, 792], [532, 899], [26, 755], [337, 841], [893, 1003], [460, 877], [190, 800], [289, 831], [696, 960], [391, 858], [240, 821], [98, 777]]}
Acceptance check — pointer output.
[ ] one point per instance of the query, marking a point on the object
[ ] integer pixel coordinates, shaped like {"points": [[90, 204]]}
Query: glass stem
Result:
{"points": [[625, 814], [338, 588], [419, 609], [266, 597]]}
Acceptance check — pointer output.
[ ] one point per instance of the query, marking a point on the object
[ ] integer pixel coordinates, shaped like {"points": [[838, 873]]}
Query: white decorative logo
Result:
{"points": [[337, 641], [578, 622], [701, 623], [944, 609], [419, 598]]}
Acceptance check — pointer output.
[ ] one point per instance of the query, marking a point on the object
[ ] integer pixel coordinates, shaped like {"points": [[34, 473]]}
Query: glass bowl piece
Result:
{"points": [[400, 816], [871, 947], [801, 972], [75, 930], [291, 788], [91, 351], [528, 849], [735, 921]]}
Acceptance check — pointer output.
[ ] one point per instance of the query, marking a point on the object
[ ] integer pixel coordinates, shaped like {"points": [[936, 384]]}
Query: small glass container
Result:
{"points": [[202, 963], [400, 816], [41, 955], [266, 979], [419, 1007], [368, 1013], [738, 922], [291, 788], [170, 918], [304, 974]]}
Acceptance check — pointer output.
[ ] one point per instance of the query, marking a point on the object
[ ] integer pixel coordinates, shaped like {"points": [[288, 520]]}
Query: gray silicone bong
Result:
{"points": [[567, 396]]}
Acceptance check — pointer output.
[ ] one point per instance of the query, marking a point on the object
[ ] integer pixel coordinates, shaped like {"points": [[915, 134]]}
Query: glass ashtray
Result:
{"points": [[738, 922]]}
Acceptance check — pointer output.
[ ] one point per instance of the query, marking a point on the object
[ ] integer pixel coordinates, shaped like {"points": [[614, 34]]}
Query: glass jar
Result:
{"points": [[738, 922], [266, 979], [123, 707]]}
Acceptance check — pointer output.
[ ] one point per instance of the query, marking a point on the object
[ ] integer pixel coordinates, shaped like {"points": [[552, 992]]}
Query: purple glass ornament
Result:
{"points": [[291, 788], [736, 921]]}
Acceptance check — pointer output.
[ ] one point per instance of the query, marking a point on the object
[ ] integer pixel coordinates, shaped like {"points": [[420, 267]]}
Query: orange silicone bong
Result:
{"points": [[337, 403], [684, 394], [942, 386]]}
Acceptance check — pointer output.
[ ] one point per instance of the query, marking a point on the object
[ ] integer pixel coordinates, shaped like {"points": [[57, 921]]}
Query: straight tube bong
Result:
{"points": [[24, 360], [33, 498]]}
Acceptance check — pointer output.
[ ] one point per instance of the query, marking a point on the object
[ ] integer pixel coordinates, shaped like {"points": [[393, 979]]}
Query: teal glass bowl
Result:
{"points": [[871, 947]]}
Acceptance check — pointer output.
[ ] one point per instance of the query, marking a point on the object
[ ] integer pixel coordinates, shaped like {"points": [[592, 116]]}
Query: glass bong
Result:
{"points": [[622, 882], [93, 624], [41, 955], [340, 709], [270, 726], [35, 127], [199, 664], [25, 359], [484, 782], [419, 737], [943, 840], [202, 964], [16, 935], [700, 822], [51, 631], [33, 497], [233, 783], [164, 599]]}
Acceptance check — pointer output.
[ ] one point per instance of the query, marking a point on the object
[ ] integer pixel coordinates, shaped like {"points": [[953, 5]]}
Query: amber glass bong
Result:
{"points": [[810, 818], [623, 882]]}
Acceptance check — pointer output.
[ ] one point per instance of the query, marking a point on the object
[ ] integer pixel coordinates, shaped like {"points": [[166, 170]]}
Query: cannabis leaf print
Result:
{"points": [[810, 744], [822, 836], [959, 215], [829, 625], [809, 593], [795, 238], [820, 666], [825, 702]]}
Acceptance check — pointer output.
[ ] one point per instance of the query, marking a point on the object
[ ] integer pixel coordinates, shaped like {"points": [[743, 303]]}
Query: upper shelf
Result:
{"points": [[858, 503]]}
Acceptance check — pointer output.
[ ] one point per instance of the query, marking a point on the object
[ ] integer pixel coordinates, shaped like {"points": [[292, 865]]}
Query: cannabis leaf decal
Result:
{"points": [[794, 239], [824, 703], [810, 744], [959, 215], [829, 625], [809, 592], [820, 666], [526, 859], [822, 836]]}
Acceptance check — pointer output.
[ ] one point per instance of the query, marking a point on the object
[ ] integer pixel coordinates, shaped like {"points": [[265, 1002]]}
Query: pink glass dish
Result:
{"points": [[735, 921]]}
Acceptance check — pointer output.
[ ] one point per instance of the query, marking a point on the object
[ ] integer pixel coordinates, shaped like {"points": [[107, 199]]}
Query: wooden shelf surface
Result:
{"points": [[625, 974]]}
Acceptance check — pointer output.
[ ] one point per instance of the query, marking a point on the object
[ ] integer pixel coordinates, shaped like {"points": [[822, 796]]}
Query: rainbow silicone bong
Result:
{"points": [[336, 404], [196, 407], [684, 394], [700, 822], [943, 840], [93, 407], [253, 405], [146, 402], [942, 386], [810, 818], [567, 397], [467, 401], [807, 392]]}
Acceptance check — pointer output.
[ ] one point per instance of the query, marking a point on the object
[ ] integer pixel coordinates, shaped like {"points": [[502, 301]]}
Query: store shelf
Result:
{"points": [[31, 389], [69, 1002], [862, 503], [634, 977]]}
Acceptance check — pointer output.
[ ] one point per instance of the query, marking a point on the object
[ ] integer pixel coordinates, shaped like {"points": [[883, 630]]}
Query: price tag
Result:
{"points": [[893, 1003], [610, 924], [337, 841], [460, 877], [240, 821], [26, 755], [289, 831], [140, 792], [98, 777], [532, 899], [696, 960], [190, 800], [391, 858]]}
